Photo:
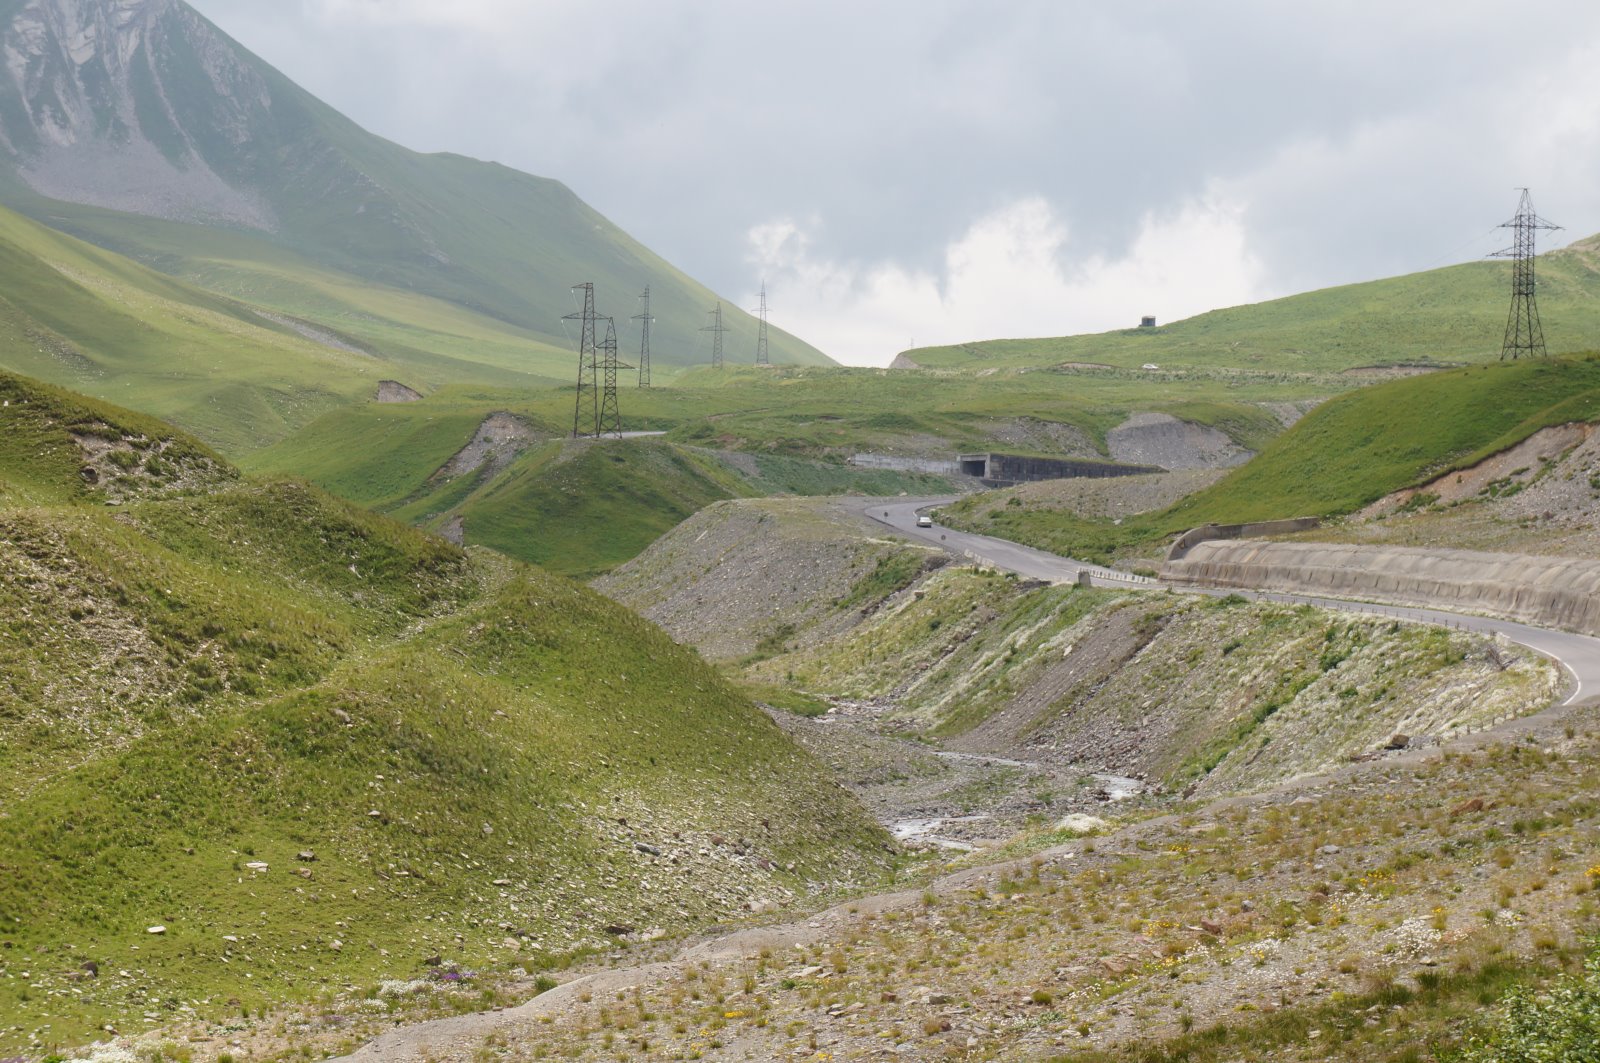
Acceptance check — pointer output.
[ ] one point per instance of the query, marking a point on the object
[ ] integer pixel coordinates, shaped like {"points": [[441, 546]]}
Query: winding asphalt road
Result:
{"points": [[1578, 654], [901, 515]]}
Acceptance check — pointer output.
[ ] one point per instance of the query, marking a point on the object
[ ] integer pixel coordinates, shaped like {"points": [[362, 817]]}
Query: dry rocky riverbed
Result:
{"points": [[947, 799]]}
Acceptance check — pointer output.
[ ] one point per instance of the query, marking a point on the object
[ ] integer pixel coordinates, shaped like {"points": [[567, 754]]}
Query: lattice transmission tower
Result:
{"points": [[644, 338], [716, 330], [608, 422], [597, 372], [762, 357], [1524, 333], [587, 359]]}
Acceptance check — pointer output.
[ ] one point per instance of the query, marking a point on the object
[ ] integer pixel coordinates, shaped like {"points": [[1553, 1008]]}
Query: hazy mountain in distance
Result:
{"points": [[139, 125]]}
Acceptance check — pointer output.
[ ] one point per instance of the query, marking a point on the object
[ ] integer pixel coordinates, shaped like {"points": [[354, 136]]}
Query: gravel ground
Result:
{"points": [[737, 574], [1122, 496], [947, 799]]}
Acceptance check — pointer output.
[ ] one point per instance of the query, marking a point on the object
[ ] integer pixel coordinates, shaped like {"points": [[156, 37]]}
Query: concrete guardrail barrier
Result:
{"points": [[1257, 530], [1554, 592]]}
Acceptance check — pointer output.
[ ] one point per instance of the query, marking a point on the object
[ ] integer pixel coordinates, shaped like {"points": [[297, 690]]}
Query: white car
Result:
{"points": [[924, 521]]}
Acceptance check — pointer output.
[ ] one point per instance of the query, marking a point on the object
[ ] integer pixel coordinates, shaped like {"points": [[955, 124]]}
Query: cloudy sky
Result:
{"points": [[946, 170]]}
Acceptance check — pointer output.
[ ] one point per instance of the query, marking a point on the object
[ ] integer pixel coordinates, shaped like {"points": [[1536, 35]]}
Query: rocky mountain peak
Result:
{"points": [[99, 105], [108, 30], [51, 38]]}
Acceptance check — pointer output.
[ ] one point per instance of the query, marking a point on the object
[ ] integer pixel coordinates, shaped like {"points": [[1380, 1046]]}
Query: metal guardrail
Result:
{"points": [[1111, 575], [1107, 575]]}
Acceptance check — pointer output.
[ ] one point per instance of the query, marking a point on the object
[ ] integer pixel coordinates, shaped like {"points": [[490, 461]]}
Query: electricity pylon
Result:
{"points": [[1524, 332]]}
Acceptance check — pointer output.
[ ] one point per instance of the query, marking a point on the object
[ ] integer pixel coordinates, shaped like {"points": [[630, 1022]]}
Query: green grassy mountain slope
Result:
{"points": [[1446, 316], [575, 507], [93, 321], [144, 128], [843, 410], [317, 748], [1345, 454], [1358, 448], [582, 509], [376, 453], [61, 447]]}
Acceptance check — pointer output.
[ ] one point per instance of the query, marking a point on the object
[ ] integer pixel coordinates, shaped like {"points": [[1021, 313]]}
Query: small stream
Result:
{"points": [[973, 758], [929, 830], [1119, 787], [922, 830]]}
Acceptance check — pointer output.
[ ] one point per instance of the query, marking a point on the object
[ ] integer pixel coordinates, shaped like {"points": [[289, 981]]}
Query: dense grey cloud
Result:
{"points": [[947, 170]]}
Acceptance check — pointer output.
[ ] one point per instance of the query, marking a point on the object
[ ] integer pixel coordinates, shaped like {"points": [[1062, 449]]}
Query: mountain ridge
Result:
{"points": [[1443, 316], [148, 111]]}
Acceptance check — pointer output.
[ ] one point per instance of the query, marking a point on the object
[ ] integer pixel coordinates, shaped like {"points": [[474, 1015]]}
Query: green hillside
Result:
{"points": [[317, 748], [579, 508], [582, 509], [369, 453], [844, 410], [1358, 448], [289, 204], [45, 450], [1444, 316], [78, 316], [1345, 454]]}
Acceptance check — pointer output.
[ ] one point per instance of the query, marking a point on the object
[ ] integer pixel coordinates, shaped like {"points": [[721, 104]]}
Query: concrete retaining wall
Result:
{"points": [[1007, 469], [1551, 592], [899, 464], [1259, 530]]}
